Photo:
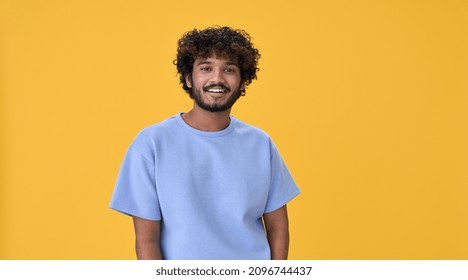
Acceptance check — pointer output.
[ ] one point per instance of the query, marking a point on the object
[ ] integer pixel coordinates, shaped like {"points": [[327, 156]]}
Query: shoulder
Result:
{"points": [[158, 128], [257, 135], [247, 130], [148, 136]]}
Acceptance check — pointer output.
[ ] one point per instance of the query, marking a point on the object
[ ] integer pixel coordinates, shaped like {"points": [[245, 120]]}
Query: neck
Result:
{"points": [[207, 121]]}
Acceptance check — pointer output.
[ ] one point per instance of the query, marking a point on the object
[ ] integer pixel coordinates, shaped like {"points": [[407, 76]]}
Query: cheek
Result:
{"points": [[197, 81], [235, 82]]}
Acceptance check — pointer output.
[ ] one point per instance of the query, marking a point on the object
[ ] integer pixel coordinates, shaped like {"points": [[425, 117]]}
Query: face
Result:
{"points": [[215, 83]]}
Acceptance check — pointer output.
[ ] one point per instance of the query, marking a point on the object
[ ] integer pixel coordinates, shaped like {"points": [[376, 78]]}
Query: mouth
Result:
{"points": [[216, 89]]}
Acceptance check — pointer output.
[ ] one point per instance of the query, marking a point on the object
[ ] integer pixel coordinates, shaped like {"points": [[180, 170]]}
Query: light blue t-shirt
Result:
{"points": [[209, 189]]}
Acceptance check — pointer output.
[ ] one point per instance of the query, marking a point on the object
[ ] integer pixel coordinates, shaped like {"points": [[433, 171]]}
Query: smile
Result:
{"points": [[217, 90]]}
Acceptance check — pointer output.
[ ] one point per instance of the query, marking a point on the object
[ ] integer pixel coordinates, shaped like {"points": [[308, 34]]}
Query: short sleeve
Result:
{"points": [[135, 192], [283, 188]]}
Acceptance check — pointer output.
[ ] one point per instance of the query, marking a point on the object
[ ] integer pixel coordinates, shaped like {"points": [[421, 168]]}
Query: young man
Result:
{"points": [[203, 184]]}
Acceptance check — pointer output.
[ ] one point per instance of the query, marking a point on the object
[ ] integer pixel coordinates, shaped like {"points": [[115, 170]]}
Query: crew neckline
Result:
{"points": [[219, 133]]}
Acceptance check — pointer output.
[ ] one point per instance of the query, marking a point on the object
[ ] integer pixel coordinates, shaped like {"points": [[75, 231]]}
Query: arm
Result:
{"points": [[276, 225], [147, 235]]}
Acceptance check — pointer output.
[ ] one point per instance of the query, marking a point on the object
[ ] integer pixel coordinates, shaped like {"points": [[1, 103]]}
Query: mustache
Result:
{"points": [[218, 86]]}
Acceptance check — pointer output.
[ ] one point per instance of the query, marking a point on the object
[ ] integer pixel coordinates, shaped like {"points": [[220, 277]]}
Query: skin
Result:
{"points": [[226, 73], [206, 72], [147, 234], [276, 225]]}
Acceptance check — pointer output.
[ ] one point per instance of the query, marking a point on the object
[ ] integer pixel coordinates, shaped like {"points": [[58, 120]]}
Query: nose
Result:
{"points": [[217, 76]]}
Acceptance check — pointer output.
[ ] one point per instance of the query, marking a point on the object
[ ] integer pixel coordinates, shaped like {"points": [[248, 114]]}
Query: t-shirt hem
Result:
{"points": [[283, 202], [132, 213]]}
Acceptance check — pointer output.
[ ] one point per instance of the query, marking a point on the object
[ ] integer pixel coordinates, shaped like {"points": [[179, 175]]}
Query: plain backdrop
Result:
{"points": [[366, 100]]}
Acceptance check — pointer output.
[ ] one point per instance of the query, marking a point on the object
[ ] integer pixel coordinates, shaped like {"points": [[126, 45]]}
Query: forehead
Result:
{"points": [[215, 60]]}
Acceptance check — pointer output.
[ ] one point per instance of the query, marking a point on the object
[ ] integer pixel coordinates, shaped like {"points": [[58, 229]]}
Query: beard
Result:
{"points": [[196, 94]]}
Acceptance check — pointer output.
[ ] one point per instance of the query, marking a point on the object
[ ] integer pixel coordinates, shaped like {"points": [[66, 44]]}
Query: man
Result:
{"points": [[203, 184]]}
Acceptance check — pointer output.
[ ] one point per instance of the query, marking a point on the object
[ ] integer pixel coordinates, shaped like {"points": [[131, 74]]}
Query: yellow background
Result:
{"points": [[366, 100]]}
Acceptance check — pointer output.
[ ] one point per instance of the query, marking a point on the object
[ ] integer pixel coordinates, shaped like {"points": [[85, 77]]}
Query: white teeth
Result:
{"points": [[215, 90]]}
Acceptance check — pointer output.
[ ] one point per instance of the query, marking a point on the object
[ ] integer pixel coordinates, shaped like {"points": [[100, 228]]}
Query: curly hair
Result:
{"points": [[223, 42]]}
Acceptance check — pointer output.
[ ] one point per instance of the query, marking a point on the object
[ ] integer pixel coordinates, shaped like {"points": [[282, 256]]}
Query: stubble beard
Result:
{"points": [[215, 108]]}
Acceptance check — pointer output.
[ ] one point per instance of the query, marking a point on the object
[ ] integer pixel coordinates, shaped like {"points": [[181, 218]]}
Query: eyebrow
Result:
{"points": [[209, 62]]}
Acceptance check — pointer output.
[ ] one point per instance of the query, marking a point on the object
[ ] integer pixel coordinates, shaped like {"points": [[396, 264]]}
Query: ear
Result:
{"points": [[188, 80], [242, 87]]}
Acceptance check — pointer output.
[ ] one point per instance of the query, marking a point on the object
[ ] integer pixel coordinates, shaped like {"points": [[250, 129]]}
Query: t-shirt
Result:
{"points": [[208, 189]]}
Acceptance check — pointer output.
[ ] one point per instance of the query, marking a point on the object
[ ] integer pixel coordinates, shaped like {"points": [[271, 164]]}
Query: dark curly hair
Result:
{"points": [[223, 42]]}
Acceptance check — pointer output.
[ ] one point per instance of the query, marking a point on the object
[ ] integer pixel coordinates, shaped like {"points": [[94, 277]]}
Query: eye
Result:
{"points": [[205, 69], [230, 70]]}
